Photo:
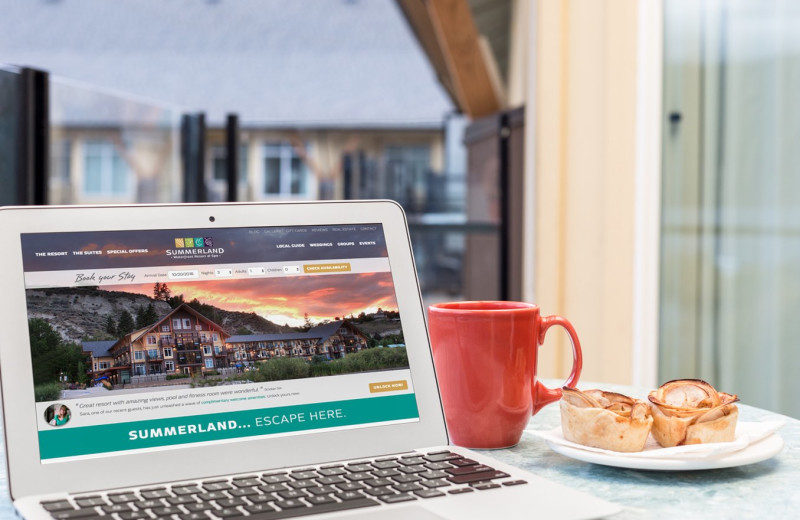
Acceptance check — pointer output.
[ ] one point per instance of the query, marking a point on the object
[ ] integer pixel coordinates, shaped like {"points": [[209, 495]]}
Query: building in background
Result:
{"points": [[333, 102]]}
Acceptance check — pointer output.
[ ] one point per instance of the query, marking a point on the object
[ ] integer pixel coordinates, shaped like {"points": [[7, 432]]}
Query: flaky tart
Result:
{"points": [[604, 420], [691, 411]]}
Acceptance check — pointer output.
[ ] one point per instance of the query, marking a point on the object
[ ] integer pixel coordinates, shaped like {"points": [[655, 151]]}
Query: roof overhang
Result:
{"points": [[462, 58]]}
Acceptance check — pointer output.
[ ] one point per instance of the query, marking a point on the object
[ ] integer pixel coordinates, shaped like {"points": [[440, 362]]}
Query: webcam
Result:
{"points": [[211, 218]]}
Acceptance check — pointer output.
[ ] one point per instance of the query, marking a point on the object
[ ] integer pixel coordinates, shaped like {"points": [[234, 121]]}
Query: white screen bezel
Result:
{"points": [[28, 476]]}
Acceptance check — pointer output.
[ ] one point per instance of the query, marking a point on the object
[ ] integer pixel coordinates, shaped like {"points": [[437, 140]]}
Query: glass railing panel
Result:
{"points": [[109, 147], [9, 127]]}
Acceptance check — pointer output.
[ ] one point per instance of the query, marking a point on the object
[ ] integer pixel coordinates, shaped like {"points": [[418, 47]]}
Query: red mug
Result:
{"points": [[485, 355]]}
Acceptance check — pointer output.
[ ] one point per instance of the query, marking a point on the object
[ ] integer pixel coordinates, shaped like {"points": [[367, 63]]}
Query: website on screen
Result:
{"points": [[152, 340]]}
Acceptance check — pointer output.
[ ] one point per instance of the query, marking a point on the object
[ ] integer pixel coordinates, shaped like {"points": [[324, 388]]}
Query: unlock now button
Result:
{"points": [[388, 386]]}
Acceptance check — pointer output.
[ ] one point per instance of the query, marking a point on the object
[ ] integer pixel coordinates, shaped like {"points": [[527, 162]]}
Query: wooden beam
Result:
{"points": [[458, 37], [416, 14], [447, 32]]}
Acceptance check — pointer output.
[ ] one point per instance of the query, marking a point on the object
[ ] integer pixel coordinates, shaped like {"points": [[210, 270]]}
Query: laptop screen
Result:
{"points": [[161, 339]]}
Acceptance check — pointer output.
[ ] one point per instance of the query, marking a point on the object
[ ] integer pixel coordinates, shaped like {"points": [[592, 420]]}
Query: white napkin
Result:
{"points": [[747, 433]]}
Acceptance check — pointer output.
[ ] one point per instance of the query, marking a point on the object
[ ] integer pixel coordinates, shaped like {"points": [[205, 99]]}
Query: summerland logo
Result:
{"points": [[196, 247]]}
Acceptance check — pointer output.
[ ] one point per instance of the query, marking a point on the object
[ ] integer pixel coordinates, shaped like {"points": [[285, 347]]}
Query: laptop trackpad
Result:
{"points": [[402, 513]]}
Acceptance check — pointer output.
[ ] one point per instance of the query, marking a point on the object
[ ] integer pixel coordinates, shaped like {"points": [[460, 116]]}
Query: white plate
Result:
{"points": [[762, 450]]}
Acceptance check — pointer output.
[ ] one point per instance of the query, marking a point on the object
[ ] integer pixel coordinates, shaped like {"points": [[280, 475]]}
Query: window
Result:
{"points": [[209, 363], [215, 337], [165, 328], [730, 198], [219, 164], [103, 365], [152, 340], [105, 171], [284, 171], [187, 323], [138, 355], [206, 351], [176, 323], [139, 370], [217, 349], [169, 366], [407, 172], [167, 351], [152, 353]]}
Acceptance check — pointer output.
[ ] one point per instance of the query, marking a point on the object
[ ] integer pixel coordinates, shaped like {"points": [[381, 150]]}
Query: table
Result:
{"points": [[764, 489]]}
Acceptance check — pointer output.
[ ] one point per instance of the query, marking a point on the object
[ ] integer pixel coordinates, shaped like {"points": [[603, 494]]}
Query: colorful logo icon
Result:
{"points": [[194, 242]]}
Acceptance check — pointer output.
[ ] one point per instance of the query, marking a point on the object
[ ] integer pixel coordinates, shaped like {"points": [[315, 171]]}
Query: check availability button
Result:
{"points": [[388, 386], [342, 267]]}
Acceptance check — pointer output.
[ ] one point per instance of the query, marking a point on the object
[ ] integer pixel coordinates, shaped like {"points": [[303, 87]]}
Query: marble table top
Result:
{"points": [[751, 491]]}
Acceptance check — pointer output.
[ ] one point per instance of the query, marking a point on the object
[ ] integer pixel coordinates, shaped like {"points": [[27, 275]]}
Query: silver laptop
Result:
{"points": [[233, 360]]}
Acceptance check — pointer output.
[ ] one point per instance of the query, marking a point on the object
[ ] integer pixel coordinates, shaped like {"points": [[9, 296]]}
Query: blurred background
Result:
{"points": [[629, 164]]}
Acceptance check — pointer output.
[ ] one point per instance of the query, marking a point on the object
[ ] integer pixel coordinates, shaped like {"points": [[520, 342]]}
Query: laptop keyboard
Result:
{"points": [[294, 493]]}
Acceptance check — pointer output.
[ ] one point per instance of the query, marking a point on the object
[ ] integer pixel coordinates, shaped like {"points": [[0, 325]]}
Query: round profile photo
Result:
{"points": [[57, 414]]}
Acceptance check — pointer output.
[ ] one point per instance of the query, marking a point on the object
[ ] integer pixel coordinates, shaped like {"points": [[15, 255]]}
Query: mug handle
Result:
{"points": [[542, 395]]}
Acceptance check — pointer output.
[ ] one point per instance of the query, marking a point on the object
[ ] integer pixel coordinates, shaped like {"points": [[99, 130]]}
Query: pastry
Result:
{"points": [[691, 411], [604, 420]]}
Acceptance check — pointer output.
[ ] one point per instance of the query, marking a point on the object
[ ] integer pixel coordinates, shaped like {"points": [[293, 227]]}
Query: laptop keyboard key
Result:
{"points": [[246, 482], [485, 485], [60, 505], [477, 477], [166, 511], [186, 490], [292, 493], [230, 502], [133, 515], [320, 499], [464, 470], [349, 495], [463, 462], [351, 486], [185, 499], [91, 502], [436, 483], [317, 509], [290, 503], [380, 491], [192, 516], [199, 506], [121, 498], [275, 478], [116, 508], [243, 492], [75, 513], [332, 471], [397, 497], [385, 464], [154, 493], [259, 508], [326, 481], [408, 487], [441, 456], [458, 491], [228, 512], [428, 493], [405, 479]]}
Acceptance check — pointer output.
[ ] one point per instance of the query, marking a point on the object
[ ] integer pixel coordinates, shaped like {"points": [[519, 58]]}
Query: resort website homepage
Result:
{"points": [[153, 340]]}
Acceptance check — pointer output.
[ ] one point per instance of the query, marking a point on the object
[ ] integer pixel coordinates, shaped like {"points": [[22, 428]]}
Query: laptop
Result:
{"points": [[254, 360]]}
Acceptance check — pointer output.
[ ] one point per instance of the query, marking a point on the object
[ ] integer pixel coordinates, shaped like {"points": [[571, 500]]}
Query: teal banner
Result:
{"points": [[105, 438]]}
